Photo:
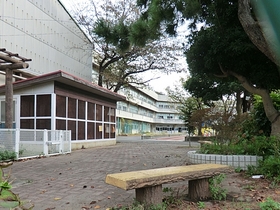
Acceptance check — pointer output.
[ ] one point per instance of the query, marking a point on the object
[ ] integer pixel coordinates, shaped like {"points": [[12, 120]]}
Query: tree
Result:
{"points": [[221, 48], [119, 61], [191, 109], [211, 89]]}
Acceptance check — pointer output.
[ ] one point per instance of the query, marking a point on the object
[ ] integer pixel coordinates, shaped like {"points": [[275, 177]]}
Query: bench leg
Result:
{"points": [[199, 189], [149, 195]]}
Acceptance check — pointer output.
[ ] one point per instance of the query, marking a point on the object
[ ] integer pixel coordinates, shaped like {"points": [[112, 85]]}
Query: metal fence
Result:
{"points": [[33, 143]]}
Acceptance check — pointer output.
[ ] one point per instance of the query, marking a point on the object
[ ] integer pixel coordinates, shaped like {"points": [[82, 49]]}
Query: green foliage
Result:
{"points": [[259, 145], [201, 205], [8, 199], [7, 155], [217, 192], [262, 123], [269, 204], [172, 198], [270, 167]]}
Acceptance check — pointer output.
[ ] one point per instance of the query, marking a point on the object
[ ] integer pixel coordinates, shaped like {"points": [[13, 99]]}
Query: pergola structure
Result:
{"points": [[9, 62]]}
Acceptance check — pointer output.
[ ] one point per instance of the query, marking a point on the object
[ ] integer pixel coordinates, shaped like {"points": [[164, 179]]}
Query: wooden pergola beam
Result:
{"points": [[20, 65]]}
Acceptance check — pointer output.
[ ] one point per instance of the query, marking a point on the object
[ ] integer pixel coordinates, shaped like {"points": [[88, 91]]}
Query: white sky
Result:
{"points": [[159, 84]]}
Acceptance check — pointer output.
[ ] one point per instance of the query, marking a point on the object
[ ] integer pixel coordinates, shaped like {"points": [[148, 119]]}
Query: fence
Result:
{"points": [[32, 143]]}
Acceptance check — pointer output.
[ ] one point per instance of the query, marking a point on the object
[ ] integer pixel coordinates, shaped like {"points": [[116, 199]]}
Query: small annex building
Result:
{"points": [[61, 101]]}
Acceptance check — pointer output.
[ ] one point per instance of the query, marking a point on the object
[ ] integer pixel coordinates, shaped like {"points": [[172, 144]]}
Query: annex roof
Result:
{"points": [[66, 78]]}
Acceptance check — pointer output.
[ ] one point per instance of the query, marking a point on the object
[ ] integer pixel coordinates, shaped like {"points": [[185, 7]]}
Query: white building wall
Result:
{"points": [[44, 32], [146, 106]]}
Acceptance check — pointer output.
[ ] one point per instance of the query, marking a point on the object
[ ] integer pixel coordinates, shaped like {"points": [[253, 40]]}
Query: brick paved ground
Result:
{"points": [[76, 181]]}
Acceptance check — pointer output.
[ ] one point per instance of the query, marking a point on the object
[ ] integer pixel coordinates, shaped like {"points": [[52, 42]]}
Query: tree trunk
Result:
{"points": [[238, 103], [199, 189], [271, 113], [9, 99], [253, 30]]}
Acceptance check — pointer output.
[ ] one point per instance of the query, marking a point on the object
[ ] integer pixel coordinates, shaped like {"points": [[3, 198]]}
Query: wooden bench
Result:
{"points": [[148, 183]]}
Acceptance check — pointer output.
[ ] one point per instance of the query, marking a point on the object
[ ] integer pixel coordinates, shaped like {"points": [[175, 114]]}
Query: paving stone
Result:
{"points": [[59, 181]]}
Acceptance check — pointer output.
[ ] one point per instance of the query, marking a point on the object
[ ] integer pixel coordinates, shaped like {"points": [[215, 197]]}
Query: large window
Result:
{"points": [[35, 111], [86, 119], [27, 106], [61, 106], [72, 108], [43, 107]]}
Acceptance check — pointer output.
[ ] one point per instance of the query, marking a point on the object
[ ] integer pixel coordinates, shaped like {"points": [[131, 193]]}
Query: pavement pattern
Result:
{"points": [[77, 181]]}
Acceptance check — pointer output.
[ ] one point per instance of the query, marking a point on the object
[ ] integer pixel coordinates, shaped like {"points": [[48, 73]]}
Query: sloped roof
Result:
{"points": [[66, 78]]}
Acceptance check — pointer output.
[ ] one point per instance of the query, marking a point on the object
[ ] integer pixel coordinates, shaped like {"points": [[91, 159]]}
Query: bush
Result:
{"points": [[7, 155], [259, 145], [270, 167]]}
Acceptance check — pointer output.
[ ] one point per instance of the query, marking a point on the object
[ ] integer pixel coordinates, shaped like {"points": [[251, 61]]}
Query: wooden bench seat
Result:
{"points": [[148, 183]]}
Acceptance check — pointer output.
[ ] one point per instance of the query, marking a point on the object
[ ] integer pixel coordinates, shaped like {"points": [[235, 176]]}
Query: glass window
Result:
{"points": [[91, 111], [71, 108], [81, 109], [60, 124], [99, 129], [98, 112], [43, 105], [90, 130], [112, 115], [43, 124], [60, 106], [81, 130], [72, 127], [107, 131], [27, 106], [27, 124]]}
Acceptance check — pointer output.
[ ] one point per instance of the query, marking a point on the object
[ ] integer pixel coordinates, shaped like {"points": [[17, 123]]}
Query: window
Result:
{"points": [[27, 106], [91, 111], [81, 130], [81, 109], [98, 112], [71, 108], [90, 130], [60, 106], [43, 105]]}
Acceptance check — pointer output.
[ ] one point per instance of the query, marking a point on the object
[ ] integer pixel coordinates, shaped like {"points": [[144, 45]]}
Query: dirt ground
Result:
{"points": [[243, 192]]}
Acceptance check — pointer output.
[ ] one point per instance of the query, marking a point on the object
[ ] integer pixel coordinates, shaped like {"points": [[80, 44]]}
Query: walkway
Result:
{"points": [[76, 181]]}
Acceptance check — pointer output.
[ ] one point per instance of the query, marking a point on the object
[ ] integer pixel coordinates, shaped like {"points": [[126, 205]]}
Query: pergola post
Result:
{"points": [[9, 62], [9, 98]]}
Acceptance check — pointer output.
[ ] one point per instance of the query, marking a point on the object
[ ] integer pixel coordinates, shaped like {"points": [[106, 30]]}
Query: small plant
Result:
{"points": [[7, 155], [217, 192], [201, 205], [173, 197], [270, 167], [249, 187], [8, 199], [270, 204], [238, 169]]}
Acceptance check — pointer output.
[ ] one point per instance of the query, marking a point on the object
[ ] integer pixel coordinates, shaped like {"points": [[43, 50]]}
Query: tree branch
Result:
{"points": [[253, 30]]}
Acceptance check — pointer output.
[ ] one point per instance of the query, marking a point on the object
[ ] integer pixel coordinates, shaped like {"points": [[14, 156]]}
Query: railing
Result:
{"points": [[28, 143]]}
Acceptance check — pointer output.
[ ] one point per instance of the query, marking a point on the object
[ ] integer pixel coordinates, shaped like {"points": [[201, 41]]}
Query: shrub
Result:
{"points": [[7, 155], [270, 167], [259, 145]]}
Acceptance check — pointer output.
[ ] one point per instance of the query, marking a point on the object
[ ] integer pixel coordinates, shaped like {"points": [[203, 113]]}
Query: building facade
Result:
{"points": [[45, 32], [56, 91], [146, 111]]}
